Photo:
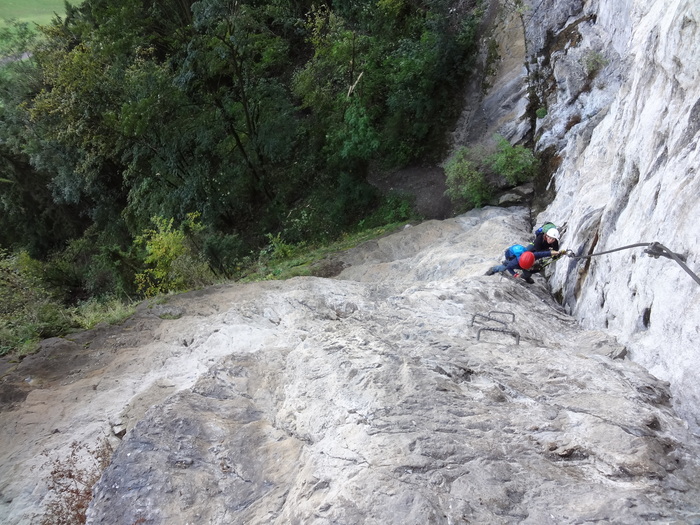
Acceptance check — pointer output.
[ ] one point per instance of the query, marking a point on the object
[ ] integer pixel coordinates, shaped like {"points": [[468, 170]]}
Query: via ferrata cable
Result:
{"points": [[655, 249]]}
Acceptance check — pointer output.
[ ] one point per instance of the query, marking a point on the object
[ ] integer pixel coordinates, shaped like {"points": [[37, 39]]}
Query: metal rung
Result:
{"points": [[512, 318], [509, 332], [488, 319]]}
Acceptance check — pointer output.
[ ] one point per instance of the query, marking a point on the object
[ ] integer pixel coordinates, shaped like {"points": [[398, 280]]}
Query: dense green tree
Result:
{"points": [[404, 61], [263, 116], [30, 216]]}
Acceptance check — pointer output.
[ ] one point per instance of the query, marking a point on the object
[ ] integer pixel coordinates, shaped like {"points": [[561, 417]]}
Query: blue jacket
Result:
{"points": [[513, 265]]}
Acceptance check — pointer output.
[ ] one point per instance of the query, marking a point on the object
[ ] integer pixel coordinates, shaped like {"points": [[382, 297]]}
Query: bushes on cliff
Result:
{"points": [[472, 174], [173, 262], [516, 164], [266, 118], [466, 182], [33, 304], [28, 311]]}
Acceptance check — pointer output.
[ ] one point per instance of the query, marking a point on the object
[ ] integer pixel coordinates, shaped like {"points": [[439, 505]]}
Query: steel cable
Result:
{"points": [[655, 250]]}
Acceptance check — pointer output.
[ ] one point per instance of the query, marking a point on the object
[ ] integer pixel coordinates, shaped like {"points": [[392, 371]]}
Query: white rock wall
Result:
{"points": [[629, 175]]}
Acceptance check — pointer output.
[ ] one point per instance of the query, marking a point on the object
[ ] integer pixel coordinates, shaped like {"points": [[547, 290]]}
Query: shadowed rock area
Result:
{"points": [[410, 389]]}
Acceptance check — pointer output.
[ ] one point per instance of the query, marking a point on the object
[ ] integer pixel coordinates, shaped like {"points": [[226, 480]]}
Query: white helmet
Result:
{"points": [[553, 233]]}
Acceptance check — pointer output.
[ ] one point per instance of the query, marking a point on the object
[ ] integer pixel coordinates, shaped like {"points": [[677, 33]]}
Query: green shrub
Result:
{"points": [[541, 112], [466, 183], [278, 249], [353, 198], [593, 62], [92, 266], [111, 310], [394, 208], [110, 274], [516, 163], [28, 311], [192, 270], [174, 264], [307, 220], [224, 253]]}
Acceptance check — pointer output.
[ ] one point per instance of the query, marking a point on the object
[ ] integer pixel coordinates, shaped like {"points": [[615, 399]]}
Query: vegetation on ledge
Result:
{"points": [[149, 148]]}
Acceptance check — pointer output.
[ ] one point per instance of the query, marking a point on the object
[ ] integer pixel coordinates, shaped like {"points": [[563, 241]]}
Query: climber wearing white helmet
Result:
{"points": [[546, 239]]}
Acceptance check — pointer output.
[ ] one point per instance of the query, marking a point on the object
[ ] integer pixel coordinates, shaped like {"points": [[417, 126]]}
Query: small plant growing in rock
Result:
{"points": [[71, 480], [573, 120], [593, 62], [541, 112], [493, 56], [465, 182], [516, 163]]}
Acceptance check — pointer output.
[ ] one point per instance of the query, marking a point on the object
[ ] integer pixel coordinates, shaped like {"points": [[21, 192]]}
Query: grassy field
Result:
{"points": [[37, 11]]}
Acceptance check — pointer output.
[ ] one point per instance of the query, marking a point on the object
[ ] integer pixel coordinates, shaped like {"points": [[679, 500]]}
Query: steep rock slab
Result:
{"points": [[620, 85], [395, 413], [628, 174], [446, 398], [380, 399]]}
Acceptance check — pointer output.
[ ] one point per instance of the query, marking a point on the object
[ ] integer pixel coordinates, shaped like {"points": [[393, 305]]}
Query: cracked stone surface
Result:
{"points": [[410, 389]]}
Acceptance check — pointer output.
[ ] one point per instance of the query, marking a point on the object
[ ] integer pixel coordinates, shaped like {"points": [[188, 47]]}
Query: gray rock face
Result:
{"points": [[619, 81], [628, 175], [413, 389], [410, 390]]}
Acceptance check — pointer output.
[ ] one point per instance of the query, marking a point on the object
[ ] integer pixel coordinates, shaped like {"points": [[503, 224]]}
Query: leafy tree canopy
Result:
{"points": [[263, 117]]}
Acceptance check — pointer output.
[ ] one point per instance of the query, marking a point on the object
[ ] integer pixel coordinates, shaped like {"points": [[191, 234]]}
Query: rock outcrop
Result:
{"points": [[620, 84], [629, 175], [410, 389]]}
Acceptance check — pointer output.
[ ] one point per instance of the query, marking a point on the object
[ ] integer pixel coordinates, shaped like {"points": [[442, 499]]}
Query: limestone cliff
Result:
{"points": [[620, 83], [412, 389], [629, 174]]}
